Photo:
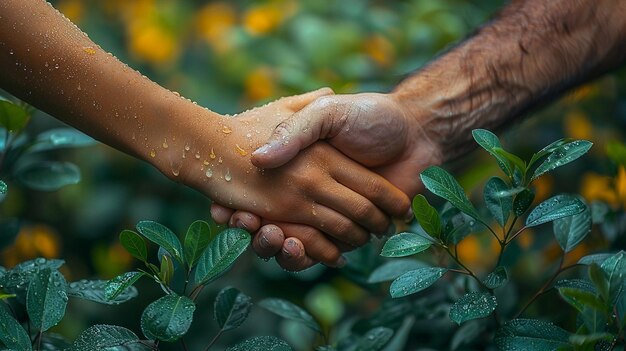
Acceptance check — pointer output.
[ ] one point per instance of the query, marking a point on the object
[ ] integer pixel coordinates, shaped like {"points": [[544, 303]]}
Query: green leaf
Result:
{"points": [[3, 187], [590, 339], [513, 159], [405, 244], [231, 308], [21, 275], [570, 231], [108, 337], [498, 201], [60, 138], [615, 269], [497, 278], [375, 339], [12, 335], [531, 334], [134, 244], [167, 318], [427, 216], [290, 311], [162, 236], [579, 284], [522, 201], [473, 305], [415, 281], [556, 207], [12, 116], [600, 281], [442, 184], [261, 343], [221, 254], [121, 285], [393, 269], [562, 155], [47, 175], [198, 237], [46, 299], [579, 299], [95, 290], [594, 258], [167, 269], [489, 142], [548, 150]]}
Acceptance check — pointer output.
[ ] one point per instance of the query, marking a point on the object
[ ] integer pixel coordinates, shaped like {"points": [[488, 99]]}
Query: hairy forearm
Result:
{"points": [[533, 51], [50, 63]]}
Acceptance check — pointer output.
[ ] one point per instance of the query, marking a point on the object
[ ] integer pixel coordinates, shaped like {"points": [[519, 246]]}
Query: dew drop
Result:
{"points": [[89, 50], [228, 177], [212, 155], [152, 153], [209, 173], [220, 160], [240, 150], [165, 146], [187, 148], [226, 130], [197, 156]]}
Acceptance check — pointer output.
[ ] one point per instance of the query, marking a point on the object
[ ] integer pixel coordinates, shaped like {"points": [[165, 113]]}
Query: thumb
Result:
{"points": [[298, 102], [295, 133]]}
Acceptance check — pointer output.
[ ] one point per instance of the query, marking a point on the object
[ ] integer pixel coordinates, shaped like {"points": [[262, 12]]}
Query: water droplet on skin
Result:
{"points": [[205, 162], [209, 173], [176, 93], [212, 155], [165, 146], [89, 50], [79, 87], [240, 150], [11, 52], [220, 160], [152, 153], [187, 148], [228, 177], [226, 130], [197, 156]]}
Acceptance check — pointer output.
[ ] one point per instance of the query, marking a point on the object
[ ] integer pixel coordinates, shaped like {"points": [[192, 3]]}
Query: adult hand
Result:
{"points": [[376, 130]]}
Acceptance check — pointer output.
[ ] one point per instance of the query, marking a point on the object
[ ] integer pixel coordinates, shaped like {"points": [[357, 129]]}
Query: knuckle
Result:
{"points": [[363, 211], [375, 187]]}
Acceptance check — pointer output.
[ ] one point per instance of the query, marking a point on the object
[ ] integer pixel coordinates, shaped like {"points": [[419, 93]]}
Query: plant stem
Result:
{"points": [[515, 235], [219, 333], [458, 271], [469, 272], [508, 232], [182, 341], [545, 286]]}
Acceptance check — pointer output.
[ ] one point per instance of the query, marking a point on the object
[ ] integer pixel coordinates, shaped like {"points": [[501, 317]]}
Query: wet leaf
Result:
{"points": [[48, 175], [21, 275], [562, 155], [555, 207], [615, 269], [489, 141], [262, 343], [415, 281], [46, 299], [95, 290], [498, 201], [162, 236], [427, 216], [405, 244], [134, 244], [166, 273], [599, 280], [497, 278], [522, 201], [443, 184], [570, 231], [513, 160], [167, 318], [198, 237], [531, 334], [12, 335], [221, 253], [548, 150], [580, 299], [375, 339], [473, 305], [60, 138], [393, 269], [108, 337], [231, 308], [3, 187], [290, 311], [594, 258], [121, 285]]}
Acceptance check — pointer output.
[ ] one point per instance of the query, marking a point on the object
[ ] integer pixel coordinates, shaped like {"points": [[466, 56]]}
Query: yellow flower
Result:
{"points": [[214, 22], [72, 9], [32, 241], [578, 126], [153, 43], [598, 187], [259, 84], [380, 50], [262, 19]]}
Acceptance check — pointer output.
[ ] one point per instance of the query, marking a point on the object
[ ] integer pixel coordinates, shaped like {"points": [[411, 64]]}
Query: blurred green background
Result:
{"points": [[232, 55]]}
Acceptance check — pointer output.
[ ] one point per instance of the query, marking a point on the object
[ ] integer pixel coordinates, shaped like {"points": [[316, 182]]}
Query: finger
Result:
{"points": [[297, 132], [318, 246], [292, 256], [245, 220], [221, 214], [337, 225], [375, 188], [297, 102], [268, 241]]}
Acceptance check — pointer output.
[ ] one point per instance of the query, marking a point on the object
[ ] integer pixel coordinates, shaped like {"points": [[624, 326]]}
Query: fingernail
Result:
{"points": [[264, 242], [342, 261], [240, 224], [286, 253], [408, 218], [262, 150]]}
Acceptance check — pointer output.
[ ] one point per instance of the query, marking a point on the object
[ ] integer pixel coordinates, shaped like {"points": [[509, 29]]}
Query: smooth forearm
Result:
{"points": [[50, 63], [531, 53]]}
